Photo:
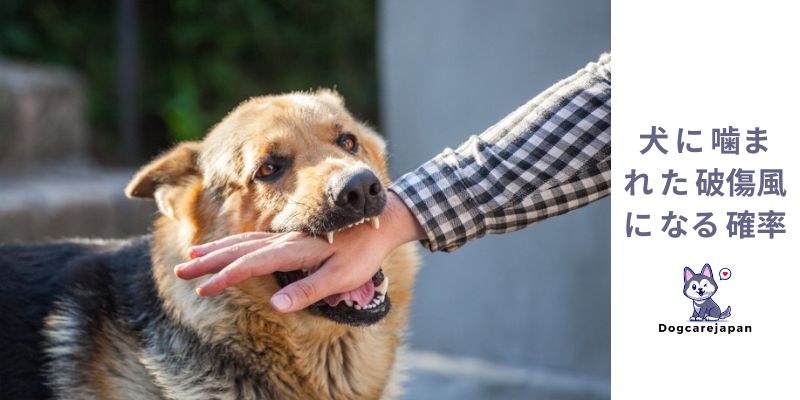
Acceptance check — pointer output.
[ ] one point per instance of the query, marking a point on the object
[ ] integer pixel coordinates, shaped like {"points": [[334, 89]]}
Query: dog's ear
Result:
{"points": [[707, 271], [158, 179], [687, 274], [330, 95]]}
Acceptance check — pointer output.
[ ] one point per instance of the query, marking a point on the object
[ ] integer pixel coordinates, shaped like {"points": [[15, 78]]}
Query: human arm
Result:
{"points": [[549, 156]]}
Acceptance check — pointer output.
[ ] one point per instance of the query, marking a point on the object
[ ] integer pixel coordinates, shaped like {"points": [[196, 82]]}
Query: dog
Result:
{"points": [[108, 319], [699, 288]]}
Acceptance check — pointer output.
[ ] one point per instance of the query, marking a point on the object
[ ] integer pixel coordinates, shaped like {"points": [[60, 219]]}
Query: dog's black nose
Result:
{"points": [[361, 195]]}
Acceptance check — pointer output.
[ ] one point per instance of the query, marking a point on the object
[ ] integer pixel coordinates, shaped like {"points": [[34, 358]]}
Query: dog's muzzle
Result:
{"points": [[358, 195]]}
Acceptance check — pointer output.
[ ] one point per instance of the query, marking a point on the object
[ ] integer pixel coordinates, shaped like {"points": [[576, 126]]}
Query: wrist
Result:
{"points": [[400, 223]]}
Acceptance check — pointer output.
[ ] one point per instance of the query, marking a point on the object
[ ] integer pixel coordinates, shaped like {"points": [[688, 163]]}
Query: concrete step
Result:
{"points": [[58, 202], [437, 376]]}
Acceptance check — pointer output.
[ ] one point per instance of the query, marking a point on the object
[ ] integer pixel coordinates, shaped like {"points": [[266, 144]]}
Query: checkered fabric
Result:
{"points": [[550, 156]]}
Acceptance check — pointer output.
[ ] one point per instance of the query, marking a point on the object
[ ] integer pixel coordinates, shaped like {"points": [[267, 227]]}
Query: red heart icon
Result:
{"points": [[725, 273]]}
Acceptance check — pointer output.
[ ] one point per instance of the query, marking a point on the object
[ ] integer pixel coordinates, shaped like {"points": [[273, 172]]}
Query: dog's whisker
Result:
{"points": [[293, 201]]}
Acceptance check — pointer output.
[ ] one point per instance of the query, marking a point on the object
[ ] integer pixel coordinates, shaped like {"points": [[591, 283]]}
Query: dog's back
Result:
{"points": [[32, 279]]}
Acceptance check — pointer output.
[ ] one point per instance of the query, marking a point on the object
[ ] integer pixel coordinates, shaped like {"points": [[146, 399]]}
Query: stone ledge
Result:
{"points": [[66, 202]]}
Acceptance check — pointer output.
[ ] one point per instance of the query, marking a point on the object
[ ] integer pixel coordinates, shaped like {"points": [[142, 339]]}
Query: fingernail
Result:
{"points": [[199, 291], [177, 269], [282, 302], [193, 253]]}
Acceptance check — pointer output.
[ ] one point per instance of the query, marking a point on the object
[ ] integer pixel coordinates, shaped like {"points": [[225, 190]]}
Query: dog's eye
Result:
{"points": [[272, 167], [694, 286], [348, 142], [267, 170]]}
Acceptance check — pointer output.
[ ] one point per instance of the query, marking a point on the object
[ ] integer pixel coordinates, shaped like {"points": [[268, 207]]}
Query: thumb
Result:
{"points": [[307, 291]]}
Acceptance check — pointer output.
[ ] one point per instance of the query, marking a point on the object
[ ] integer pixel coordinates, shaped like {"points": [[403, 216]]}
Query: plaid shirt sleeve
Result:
{"points": [[550, 156]]}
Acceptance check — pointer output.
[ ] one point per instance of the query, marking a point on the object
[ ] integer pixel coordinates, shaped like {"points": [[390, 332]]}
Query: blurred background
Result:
{"points": [[89, 90]]}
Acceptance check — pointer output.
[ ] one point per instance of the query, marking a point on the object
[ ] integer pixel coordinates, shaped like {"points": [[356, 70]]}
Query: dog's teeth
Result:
{"points": [[376, 223], [330, 237], [349, 303], [357, 307], [384, 287]]}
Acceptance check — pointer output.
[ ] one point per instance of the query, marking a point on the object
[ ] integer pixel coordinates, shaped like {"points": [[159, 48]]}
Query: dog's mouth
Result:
{"points": [[363, 306], [375, 221]]}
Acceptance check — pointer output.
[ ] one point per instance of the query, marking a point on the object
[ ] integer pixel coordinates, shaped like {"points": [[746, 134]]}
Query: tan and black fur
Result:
{"points": [[109, 319]]}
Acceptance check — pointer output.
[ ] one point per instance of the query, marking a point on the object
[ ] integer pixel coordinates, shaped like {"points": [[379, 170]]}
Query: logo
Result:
{"points": [[700, 288]]}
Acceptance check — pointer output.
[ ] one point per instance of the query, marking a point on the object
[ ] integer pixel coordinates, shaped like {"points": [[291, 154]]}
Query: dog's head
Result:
{"points": [[295, 162], [699, 286]]}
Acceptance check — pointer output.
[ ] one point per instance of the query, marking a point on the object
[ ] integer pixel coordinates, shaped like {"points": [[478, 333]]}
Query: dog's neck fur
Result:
{"points": [[317, 357]]}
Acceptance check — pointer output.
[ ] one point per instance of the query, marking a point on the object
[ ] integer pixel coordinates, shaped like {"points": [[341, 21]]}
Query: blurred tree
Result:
{"points": [[199, 59]]}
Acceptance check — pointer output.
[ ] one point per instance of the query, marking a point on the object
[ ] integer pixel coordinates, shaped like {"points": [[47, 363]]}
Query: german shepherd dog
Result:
{"points": [[97, 319]]}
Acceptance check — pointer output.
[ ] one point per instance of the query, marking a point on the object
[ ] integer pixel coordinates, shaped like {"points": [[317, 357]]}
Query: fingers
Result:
{"points": [[216, 260], [265, 260], [203, 249]]}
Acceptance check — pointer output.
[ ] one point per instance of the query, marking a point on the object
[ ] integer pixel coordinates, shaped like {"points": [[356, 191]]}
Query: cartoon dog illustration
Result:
{"points": [[700, 287]]}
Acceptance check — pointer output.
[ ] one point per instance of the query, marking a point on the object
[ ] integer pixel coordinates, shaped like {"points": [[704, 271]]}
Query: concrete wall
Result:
{"points": [[538, 298]]}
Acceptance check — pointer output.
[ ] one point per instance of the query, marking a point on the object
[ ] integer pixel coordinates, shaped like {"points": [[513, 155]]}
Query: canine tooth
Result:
{"points": [[330, 237], [349, 303], [357, 307], [376, 223], [384, 287]]}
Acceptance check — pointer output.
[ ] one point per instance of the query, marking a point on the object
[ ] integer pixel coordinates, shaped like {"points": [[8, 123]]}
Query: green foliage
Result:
{"points": [[199, 59]]}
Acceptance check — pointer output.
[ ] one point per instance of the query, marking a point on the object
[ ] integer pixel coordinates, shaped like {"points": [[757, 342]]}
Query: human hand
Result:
{"points": [[351, 260]]}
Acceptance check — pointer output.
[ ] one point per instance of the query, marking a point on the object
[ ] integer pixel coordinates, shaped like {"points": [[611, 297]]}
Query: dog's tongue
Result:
{"points": [[361, 295]]}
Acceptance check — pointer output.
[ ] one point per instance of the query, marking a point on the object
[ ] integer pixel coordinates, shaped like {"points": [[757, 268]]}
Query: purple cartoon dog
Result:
{"points": [[700, 287]]}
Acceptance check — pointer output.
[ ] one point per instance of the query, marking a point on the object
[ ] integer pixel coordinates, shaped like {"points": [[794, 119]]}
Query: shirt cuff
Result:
{"points": [[441, 202]]}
